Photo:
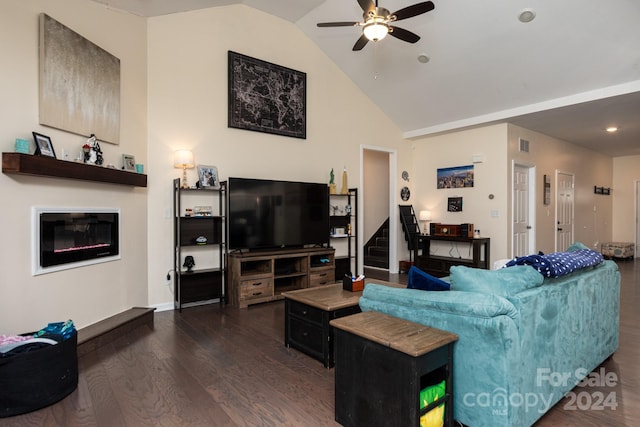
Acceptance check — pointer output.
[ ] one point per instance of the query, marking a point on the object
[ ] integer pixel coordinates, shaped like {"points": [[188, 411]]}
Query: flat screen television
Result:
{"points": [[267, 214]]}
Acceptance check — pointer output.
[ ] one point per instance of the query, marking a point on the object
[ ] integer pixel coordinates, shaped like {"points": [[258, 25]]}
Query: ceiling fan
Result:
{"points": [[376, 22]]}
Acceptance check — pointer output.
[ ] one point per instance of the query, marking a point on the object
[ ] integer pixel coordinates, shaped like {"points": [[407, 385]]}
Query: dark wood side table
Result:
{"points": [[307, 314], [382, 364], [438, 265]]}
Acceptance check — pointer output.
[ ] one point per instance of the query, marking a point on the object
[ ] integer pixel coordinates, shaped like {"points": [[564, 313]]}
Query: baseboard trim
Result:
{"points": [[167, 306]]}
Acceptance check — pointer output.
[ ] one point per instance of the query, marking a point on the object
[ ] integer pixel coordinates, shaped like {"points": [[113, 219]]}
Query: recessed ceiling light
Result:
{"points": [[527, 15], [423, 59], [612, 129]]}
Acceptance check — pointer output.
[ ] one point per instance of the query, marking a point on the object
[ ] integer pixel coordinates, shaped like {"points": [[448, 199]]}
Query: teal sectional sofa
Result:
{"points": [[524, 340]]}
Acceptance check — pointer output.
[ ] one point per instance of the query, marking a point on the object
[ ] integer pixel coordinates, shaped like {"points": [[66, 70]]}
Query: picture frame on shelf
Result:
{"points": [[129, 162], [208, 178], [44, 146]]}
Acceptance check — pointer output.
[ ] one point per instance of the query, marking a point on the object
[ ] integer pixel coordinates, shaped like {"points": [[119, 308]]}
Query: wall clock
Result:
{"points": [[405, 194]]}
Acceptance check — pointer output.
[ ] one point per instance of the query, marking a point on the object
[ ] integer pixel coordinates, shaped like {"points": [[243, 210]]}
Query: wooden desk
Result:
{"points": [[438, 265]]}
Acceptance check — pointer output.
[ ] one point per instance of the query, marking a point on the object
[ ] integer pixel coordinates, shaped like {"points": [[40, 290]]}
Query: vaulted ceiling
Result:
{"points": [[570, 73]]}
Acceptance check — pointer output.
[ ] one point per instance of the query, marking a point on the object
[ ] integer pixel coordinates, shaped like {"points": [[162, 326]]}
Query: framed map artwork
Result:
{"points": [[266, 97]]}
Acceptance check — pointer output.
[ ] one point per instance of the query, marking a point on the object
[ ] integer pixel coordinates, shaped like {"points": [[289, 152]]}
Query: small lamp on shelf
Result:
{"points": [[425, 217], [183, 159]]}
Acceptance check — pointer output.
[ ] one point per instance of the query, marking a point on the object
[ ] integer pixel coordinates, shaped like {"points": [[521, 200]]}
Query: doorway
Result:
{"points": [[523, 239], [637, 217], [564, 210], [378, 166]]}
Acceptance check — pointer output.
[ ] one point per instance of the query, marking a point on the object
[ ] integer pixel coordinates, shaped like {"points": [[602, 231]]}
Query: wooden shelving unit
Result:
{"points": [[26, 164]]}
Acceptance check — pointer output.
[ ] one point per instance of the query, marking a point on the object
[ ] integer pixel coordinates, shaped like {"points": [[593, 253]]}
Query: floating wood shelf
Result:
{"points": [[26, 164]]}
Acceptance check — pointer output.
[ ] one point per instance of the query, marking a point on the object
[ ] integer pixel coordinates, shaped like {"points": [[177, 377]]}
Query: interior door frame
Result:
{"points": [[573, 201], [393, 218], [531, 170], [637, 218]]}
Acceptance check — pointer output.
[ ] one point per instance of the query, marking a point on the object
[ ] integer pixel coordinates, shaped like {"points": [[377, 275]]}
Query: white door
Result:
{"points": [[521, 215], [564, 210]]}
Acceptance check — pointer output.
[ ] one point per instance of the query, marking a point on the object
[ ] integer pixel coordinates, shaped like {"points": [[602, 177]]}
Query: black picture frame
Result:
{"points": [[44, 146], [454, 204], [266, 97]]}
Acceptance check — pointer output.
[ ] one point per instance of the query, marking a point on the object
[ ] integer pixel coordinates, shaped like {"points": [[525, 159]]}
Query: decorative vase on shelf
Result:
{"points": [[345, 186]]}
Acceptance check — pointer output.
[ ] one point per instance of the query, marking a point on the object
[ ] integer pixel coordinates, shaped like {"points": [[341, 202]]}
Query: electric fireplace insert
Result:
{"points": [[68, 238]]}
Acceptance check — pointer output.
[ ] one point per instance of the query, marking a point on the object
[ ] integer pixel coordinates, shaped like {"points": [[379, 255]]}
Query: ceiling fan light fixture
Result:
{"points": [[375, 30]]}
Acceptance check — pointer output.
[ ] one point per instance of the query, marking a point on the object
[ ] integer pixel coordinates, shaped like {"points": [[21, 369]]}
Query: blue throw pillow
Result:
{"points": [[418, 279]]}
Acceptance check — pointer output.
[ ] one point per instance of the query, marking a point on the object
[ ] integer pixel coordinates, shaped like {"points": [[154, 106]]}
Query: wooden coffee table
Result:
{"points": [[308, 313]]}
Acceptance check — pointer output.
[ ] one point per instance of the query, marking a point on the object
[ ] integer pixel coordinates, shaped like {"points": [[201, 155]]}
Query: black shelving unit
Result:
{"points": [[344, 215], [203, 238]]}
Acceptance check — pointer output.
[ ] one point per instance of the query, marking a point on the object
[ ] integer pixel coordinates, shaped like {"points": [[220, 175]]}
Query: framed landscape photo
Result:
{"points": [[455, 177], [266, 97], [44, 147], [129, 162], [208, 177]]}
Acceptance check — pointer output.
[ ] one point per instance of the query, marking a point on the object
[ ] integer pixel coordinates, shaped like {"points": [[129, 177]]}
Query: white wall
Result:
{"points": [[490, 177], [95, 292], [188, 109], [626, 171], [592, 212], [498, 145]]}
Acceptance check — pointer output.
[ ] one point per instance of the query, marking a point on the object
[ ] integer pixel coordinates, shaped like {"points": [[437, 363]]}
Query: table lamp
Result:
{"points": [[183, 159], [424, 216]]}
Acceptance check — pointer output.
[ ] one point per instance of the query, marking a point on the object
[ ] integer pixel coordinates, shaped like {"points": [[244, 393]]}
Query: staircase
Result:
{"points": [[410, 225], [376, 250]]}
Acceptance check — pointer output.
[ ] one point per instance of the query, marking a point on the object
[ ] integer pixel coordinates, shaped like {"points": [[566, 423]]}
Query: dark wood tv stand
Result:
{"points": [[438, 265], [262, 276]]}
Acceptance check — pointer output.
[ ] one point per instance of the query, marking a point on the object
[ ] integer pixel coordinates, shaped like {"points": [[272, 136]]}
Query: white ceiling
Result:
{"points": [[571, 72]]}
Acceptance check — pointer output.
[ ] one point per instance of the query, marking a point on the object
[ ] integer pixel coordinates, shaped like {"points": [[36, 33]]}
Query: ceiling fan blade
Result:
{"points": [[362, 41], [367, 6], [337, 24], [414, 10], [404, 35]]}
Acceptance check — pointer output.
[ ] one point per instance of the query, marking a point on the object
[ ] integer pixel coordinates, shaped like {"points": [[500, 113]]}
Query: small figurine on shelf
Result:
{"points": [[92, 151], [332, 184], [189, 263]]}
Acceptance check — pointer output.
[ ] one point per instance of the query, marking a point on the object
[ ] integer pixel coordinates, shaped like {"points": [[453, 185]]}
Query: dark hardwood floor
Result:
{"points": [[219, 366]]}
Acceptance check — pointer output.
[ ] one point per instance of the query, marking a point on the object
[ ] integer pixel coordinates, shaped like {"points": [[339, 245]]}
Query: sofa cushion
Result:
{"points": [[576, 246], [504, 282], [418, 279]]}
